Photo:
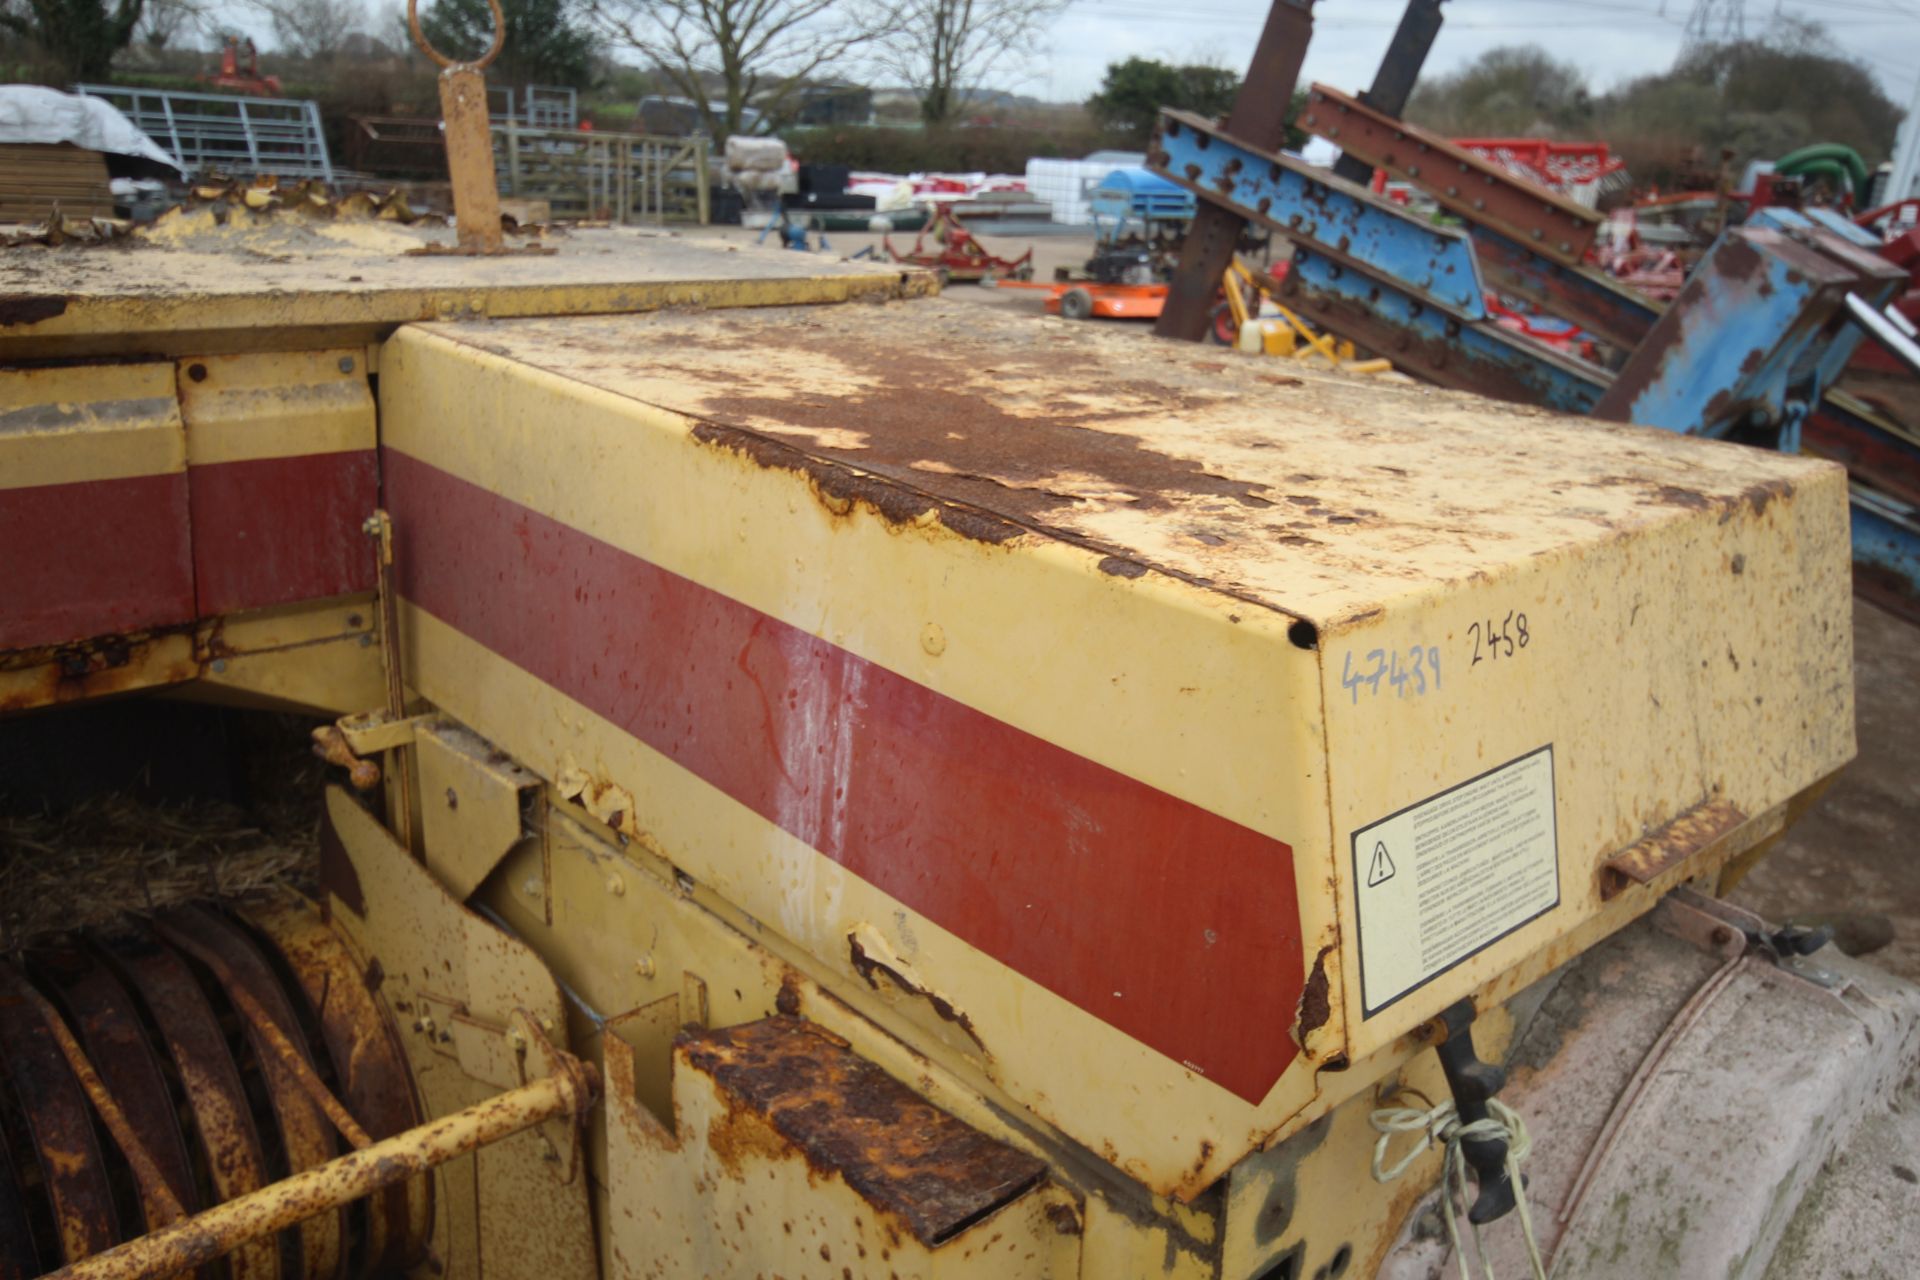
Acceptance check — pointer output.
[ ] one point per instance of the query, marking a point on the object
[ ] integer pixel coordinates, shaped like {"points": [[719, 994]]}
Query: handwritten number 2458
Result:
{"points": [[1406, 673], [1502, 643]]}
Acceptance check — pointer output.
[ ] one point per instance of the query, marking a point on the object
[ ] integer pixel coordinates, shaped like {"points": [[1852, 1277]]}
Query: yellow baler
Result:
{"points": [[969, 795]]}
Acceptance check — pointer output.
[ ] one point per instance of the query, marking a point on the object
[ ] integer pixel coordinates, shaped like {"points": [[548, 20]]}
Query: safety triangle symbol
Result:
{"points": [[1380, 870]]}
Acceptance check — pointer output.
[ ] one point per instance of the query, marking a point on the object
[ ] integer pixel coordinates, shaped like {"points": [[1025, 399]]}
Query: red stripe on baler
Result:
{"points": [[275, 530], [1169, 922], [92, 558]]}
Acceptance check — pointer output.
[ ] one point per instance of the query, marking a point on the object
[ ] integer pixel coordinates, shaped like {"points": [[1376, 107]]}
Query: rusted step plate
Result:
{"points": [[847, 1116]]}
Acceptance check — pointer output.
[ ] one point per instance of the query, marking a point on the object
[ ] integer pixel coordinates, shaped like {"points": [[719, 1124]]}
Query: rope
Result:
{"points": [[1440, 1126]]}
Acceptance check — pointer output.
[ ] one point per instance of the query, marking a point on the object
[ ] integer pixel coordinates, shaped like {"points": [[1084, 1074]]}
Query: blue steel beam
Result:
{"points": [[1314, 208], [1373, 273], [1421, 338], [1592, 300], [1886, 552], [1741, 349]]}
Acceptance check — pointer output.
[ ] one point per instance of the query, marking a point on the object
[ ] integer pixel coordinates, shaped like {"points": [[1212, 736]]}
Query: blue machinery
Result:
{"points": [[1748, 351]]}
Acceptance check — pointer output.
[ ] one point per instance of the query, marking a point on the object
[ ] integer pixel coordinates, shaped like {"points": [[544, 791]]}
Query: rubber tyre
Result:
{"points": [[1221, 330], [1076, 304]]}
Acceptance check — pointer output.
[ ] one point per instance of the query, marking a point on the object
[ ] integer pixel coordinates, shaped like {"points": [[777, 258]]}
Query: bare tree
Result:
{"points": [[165, 22], [314, 29], [727, 55], [942, 48]]}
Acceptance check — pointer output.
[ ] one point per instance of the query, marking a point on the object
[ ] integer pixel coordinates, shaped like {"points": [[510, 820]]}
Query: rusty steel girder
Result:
{"points": [[1259, 115], [1465, 183]]}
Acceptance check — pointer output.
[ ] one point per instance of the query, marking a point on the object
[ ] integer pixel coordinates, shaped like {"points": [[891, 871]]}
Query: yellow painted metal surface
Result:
{"points": [[647, 959], [454, 983], [318, 658], [1154, 539], [67, 425], [326, 285], [286, 404]]}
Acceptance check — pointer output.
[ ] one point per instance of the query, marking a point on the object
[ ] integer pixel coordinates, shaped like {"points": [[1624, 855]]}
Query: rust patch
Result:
{"points": [[1675, 496], [1315, 1003], [121, 1053], [216, 1099], [847, 1118], [305, 1112], [373, 1078], [1065, 1221], [1662, 850], [71, 1170], [1120, 567], [1761, 496], [840, 487], [867, 967], [31, 310], [93, 669], [963, 445]]}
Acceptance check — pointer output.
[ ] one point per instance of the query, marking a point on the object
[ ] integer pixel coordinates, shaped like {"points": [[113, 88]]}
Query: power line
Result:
{"points": [[1715, 22]]}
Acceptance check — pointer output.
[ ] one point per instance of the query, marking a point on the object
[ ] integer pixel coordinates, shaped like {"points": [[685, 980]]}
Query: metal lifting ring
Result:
{"points": [[446, 63]]}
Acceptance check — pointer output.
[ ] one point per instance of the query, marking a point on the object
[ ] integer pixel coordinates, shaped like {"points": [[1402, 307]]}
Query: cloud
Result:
{"points": [[1612, 40]]}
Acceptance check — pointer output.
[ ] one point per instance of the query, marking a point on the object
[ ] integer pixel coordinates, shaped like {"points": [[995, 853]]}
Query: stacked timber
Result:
{"points": [[35, 179]]}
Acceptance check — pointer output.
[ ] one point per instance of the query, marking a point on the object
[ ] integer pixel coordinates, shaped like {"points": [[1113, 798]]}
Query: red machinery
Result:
{"points": [[961, 255], [1554, 165], [1899, 225], [247, 80]]}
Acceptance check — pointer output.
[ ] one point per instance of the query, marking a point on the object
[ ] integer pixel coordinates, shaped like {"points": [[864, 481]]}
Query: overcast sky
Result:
{"points": [[1613, 40]]}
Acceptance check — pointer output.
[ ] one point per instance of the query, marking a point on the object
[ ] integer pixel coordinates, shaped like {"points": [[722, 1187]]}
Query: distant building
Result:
{"points": [[835, 104], [682, 117]]}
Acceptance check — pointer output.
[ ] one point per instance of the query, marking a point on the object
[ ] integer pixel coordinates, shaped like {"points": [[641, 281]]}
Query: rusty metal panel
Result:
{"points": [[1677, 841], [724, 1190], [1467, 184], [849, 1118]]}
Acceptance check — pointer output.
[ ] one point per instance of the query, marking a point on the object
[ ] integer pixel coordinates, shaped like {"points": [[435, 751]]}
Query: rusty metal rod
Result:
{"points": [[284, 1049], [153, 1185], [212, 1234]]}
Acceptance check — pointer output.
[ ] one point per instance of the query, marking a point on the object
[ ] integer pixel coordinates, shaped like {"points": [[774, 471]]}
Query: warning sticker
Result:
{"points": [[1450, 876]]}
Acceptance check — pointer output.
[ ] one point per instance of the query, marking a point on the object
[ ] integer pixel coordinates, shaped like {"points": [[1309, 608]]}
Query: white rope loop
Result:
{"points": [[1440, 1126]]}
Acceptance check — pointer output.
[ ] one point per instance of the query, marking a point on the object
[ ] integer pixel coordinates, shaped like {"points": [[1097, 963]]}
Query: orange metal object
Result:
{"points": [[1107, 301], [463, 105]]}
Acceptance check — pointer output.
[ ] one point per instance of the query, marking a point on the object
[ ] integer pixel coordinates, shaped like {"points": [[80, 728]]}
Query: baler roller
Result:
{"points": [[149, 1077]]}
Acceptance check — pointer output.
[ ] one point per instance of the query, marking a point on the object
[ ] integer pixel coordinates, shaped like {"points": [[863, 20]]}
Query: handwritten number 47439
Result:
{"points": [[1411, 672]]}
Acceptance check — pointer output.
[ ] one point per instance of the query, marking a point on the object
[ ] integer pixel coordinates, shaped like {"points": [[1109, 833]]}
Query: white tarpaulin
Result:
{"points": [[29, 113]]}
